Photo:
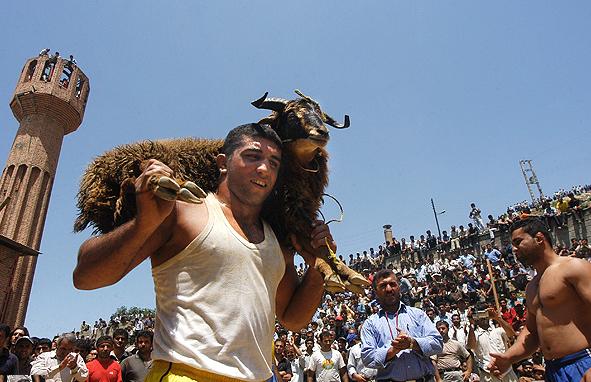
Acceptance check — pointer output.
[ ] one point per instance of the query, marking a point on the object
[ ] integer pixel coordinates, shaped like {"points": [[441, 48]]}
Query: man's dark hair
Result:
{"points": [[6, 329], [323, 334], [84, 344], [44, 341], [279, 340], [103, 339], [282, 332], [442, 322], [236, 136], [381, 274], [146, 334], [24, 329], [531, 226], [121, 332]]}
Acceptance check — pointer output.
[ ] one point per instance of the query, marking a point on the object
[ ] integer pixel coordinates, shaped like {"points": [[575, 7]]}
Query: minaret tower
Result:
{"points": [[49, 102]]}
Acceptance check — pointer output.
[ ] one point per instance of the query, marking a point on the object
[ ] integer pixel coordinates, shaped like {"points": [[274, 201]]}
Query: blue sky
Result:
{"points": [[445, 98]]}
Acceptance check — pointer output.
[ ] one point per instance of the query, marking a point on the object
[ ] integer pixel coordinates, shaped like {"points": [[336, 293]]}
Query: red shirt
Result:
{"points": [[106, 371], [509, 315]]}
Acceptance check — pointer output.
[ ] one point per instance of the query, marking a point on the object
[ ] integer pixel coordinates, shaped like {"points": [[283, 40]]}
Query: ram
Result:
{"points": [[106, 196]]}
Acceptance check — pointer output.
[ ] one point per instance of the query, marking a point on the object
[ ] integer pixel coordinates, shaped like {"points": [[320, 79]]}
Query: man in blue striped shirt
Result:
{"points": [[398, 340]]}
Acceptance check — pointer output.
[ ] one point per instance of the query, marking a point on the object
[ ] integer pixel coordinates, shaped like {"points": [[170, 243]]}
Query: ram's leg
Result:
{"points": [[357, 289], [332, 281], [191, 193], [347, 273], [169, 189], [164, 187]]}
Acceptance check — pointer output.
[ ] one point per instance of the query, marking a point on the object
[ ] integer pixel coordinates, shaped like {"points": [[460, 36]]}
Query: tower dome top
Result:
{"points": [[53, 86]]}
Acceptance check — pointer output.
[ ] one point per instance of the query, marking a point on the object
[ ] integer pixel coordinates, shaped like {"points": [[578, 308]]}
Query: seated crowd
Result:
{"points": [[453, 279]]}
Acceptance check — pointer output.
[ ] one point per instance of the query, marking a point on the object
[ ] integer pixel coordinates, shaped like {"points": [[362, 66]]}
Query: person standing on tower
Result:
{"points": [[220, 274], [476, 216]]}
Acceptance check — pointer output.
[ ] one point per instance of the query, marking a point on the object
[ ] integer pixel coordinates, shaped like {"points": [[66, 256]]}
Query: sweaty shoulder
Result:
{"points": [[574, 268]]}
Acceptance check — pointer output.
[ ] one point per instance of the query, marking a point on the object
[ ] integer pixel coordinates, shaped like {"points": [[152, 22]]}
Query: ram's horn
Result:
{"points": [[329, 120], [275, 104]]}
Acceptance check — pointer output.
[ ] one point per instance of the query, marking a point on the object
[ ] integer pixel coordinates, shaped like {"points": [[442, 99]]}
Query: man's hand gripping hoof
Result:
{"points": [[168, 189]]}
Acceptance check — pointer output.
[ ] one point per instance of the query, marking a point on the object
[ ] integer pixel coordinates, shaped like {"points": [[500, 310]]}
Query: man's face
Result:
{"points": [[120, 341], [443, 329], [290, 352], [104, 350], [325, 343], [18, 333], [333, 335], [252, 170], [388, 292], [431, 314], [42, 348], [527, 248], [279, 348], [64, 348], [309, 345], [143, 344], [23, 349], [455, 320]]}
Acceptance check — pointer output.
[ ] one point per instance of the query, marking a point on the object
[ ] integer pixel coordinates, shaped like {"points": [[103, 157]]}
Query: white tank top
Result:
{"points": [[215, 301]]}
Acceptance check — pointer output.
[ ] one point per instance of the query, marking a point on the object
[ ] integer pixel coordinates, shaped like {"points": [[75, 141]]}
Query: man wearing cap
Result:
{"points": [[61, 364], [104, 368], [23, 349]]}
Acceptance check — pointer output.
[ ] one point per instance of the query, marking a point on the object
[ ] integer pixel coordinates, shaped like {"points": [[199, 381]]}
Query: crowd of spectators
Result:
{"points": [[448, 277]]}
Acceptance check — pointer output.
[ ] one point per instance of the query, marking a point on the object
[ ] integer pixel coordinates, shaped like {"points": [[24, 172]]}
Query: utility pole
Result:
{"points": [[435, 213], [527, 169]]}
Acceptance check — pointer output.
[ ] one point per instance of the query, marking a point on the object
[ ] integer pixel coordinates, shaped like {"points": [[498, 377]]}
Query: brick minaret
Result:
{"points": [[49, 102]]}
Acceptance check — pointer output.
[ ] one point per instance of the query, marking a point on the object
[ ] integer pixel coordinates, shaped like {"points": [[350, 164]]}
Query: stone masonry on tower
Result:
{"points": [[49, 102]]}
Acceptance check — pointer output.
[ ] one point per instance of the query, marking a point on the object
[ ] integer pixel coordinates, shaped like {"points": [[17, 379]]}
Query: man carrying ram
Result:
{"points": [[221, 276]]}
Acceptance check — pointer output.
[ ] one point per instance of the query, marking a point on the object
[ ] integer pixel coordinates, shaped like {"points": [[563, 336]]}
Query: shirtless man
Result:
{"points": [[220, 275], [559, 308]]}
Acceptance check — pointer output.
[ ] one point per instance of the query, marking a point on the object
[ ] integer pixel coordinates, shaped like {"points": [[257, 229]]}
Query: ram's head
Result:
{"points": [[300, 123]]}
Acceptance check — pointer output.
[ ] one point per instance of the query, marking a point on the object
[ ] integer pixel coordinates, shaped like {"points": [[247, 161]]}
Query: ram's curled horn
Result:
{"points": [[329, 120], [275, 104]]}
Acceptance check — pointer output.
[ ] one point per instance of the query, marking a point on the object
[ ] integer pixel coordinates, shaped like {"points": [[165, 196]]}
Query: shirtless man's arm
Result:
{"points": [[106, 259], [526, 344]]}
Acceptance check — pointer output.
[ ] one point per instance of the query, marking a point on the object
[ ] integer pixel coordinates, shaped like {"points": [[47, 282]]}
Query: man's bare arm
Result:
{"points": [[105, 259], [297, 301], [526, 344]]}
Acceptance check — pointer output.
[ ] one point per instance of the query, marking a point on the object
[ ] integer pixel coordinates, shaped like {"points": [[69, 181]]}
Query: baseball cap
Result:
{"points": [[25, 338]]}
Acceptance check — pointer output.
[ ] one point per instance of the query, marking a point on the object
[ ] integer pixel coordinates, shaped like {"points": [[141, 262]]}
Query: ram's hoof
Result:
{"points": [[168, 189]]}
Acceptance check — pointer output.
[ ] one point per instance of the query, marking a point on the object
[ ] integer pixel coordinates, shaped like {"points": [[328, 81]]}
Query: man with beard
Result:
{"points": [[559, 307], [104, 368], [135, 368], [398, 340]]}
